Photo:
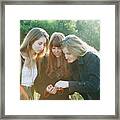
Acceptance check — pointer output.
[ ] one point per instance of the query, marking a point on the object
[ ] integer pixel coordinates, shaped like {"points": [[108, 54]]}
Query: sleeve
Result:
{"points": [[93, 72], [26, 78], [41, 80]]}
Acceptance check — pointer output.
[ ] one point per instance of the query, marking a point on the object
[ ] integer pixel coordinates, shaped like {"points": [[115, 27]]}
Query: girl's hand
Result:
{"points": [[50, 89], [62, 84], [24, 93]]}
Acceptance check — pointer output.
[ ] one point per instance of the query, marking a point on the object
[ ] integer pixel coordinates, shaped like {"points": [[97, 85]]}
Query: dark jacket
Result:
{"points": [[42, 81], [85, 73]]}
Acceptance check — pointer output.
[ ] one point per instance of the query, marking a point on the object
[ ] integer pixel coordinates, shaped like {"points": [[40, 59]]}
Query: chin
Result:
{"points": [[69, 61], [37, 52], [57, 56]]}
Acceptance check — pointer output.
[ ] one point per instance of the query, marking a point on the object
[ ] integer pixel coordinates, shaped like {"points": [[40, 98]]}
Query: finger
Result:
{"points": [[50, 85], [57, 84], [53, 91], [49, 89]]}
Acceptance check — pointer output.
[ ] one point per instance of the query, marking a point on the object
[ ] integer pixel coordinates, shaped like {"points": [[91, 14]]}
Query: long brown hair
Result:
{"points": [[55, 41]]}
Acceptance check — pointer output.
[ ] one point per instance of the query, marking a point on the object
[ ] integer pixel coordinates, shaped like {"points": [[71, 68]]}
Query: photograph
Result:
{"points": [[60, 60]]}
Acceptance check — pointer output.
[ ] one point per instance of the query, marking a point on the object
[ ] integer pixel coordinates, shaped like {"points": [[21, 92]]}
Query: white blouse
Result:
{"points": [[28, 74]]}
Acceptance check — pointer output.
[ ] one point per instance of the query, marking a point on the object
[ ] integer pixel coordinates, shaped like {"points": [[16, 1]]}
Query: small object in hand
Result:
{"points": [[49, 88]]}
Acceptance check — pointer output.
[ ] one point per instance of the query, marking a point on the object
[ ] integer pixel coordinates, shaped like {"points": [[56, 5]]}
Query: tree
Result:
{"points": [[87, 30]]}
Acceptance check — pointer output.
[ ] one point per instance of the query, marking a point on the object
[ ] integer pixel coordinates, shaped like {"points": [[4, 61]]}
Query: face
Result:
{"points": [[56, 51], [39, 45], [69, 57]]}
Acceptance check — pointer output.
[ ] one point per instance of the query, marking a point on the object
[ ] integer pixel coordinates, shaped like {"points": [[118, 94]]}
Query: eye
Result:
{"points": [[53, 47], [68, 54], [40, 43]]}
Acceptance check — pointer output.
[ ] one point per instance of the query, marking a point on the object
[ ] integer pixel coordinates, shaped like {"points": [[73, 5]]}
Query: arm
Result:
{"points": [[41, 80], [23, 92]]}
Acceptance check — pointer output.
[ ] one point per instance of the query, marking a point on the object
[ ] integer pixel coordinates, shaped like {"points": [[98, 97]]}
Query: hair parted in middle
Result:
{"points": [[55, 41]]}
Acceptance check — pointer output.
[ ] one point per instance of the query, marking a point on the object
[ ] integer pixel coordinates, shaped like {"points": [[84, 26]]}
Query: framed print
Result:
{"points": [[60, 59]]}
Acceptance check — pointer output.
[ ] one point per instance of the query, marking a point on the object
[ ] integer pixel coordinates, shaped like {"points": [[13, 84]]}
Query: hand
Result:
{"points": [[24, 93], [50, 89], [62, 84]]}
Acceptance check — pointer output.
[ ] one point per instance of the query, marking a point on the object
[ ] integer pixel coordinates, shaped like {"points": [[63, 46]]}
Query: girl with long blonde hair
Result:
{"points": [[84, 63], [31, 50]]}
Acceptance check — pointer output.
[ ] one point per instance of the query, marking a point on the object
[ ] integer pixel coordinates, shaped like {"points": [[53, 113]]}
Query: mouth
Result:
{"points": [[41, 49], [57, 54], [69, 61]]}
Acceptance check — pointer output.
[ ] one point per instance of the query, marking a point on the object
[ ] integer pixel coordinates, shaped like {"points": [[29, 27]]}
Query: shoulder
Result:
{"points": [[24, 55], [90, 55]]}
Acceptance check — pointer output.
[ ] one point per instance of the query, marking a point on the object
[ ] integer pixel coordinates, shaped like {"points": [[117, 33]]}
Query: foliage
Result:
{"points": [[87, 30]]}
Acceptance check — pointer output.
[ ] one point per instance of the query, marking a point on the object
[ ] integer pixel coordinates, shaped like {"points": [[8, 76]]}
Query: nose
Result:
{"points": [[41, 47], [56, 50]]}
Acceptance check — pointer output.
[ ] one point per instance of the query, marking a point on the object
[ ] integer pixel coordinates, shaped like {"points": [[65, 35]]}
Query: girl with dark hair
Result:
{"points": [[53, 68]]}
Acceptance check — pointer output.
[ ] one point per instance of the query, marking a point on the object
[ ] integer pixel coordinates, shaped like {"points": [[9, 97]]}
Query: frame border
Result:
{"points": [[62, 2]]}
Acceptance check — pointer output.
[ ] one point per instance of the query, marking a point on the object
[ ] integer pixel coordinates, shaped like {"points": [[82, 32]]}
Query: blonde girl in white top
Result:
{"points": [[32, 49]]}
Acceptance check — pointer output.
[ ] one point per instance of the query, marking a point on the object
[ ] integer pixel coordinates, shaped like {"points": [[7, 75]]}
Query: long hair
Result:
{"points": [[55, 41], [26, 47], [76, 46]]}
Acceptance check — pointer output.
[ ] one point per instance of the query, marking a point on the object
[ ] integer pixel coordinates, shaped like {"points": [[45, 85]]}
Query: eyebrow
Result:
{"points": [[68, 53]]}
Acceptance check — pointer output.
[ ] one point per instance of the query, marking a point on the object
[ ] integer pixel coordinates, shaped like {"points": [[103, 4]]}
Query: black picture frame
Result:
{"points": [[61, 2]]}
